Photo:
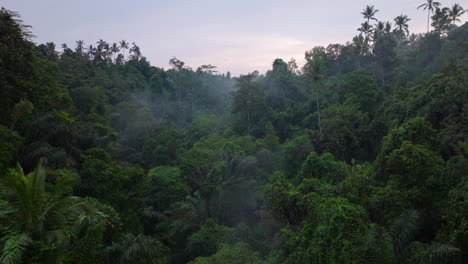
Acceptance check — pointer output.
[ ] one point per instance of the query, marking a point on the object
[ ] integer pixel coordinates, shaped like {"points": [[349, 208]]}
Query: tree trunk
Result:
{"points": [[382, 73], [428, 16], [318, 110]]}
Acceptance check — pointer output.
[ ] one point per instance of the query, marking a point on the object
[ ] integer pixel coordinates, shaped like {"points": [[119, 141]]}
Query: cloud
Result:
{"points": [[241, 53]]}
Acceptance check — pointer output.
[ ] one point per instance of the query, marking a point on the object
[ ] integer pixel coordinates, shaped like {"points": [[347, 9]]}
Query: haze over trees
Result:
{"points": [[359, 156]]}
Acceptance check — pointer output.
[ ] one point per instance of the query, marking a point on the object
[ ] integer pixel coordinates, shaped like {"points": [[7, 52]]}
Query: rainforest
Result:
{"points": [[357, 156]]}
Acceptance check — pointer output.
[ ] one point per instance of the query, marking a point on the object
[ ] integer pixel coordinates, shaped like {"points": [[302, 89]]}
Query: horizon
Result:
{"points": [[238, 39]]}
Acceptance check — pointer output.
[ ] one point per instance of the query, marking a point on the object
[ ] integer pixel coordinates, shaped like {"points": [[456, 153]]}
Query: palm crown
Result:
{"points": [[369, 13], [401, 23], [430, 6], [455, 12]]}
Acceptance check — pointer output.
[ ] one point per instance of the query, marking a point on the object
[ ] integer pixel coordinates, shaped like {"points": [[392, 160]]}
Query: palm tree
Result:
{"points": [[380, 26], [430, 5], [455, 12], [38, 212], [366, 28], [102, 50], [315, 68], [131, 248], [79, 47], [388, 27], [114, 49], [123, 47], [358, 44], [135, 51], [369, 13], [401, 23], [441, 20]]}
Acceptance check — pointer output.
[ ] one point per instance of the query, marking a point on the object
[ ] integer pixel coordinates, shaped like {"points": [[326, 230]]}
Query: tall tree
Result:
{"points": [[123, 47], [114, 49], [441, 20], [366, 28], [455, 12], [249, 102], [315, 69], [401, 23], [369, 13], [430, 6]]}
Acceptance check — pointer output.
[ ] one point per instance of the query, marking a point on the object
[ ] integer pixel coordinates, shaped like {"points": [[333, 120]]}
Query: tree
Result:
{"points": [[401, 23], [315, 70], [123, 47], [366, 28], [430, 6], [441, 20], [114, 49], [239, 253], [79, 47], [323, 167], [8, 146], [248, 103], [40, 215], [369, 13], [334, 235], [455, 12], [133, 248]]}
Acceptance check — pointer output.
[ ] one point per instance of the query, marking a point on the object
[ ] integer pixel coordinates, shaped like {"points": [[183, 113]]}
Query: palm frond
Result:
{"points": [[433, 253], [15, 248], [404, 229]]}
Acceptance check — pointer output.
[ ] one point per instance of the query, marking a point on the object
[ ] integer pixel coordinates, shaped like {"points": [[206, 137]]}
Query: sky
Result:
{"points": [[239, 36]]}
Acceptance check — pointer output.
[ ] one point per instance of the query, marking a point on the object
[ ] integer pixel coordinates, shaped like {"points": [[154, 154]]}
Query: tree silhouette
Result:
{"points": [[430, 5], [401, 23], [455, 12]]}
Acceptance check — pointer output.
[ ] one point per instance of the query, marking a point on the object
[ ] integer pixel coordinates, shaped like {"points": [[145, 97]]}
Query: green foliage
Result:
{"points": [[165, 186], [336, 234], [361, 89], [249, 105], [130, 247], [358, 157], [42, 215], [10, 142], [323, 167], [160, 147], [239, 253], [209, 238]]}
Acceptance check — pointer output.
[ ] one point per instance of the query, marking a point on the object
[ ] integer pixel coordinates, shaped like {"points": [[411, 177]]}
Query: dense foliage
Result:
{"points": [[360, 156]]}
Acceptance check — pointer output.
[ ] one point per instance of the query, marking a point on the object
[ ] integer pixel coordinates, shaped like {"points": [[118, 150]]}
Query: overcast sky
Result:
{"points": [[236, 35]]}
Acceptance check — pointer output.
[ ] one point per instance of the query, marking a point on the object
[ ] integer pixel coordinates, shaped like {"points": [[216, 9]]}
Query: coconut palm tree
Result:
{"points": [[367, 29], [380, 26], [401, 23], [315, 69], [359, 48], [102, 50], [114, 49], [455, 12], [38, 213], [369, 13], [135, 51], [388, 27], [123, 46], [430, 6], [79, 47], [441, 20]]}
